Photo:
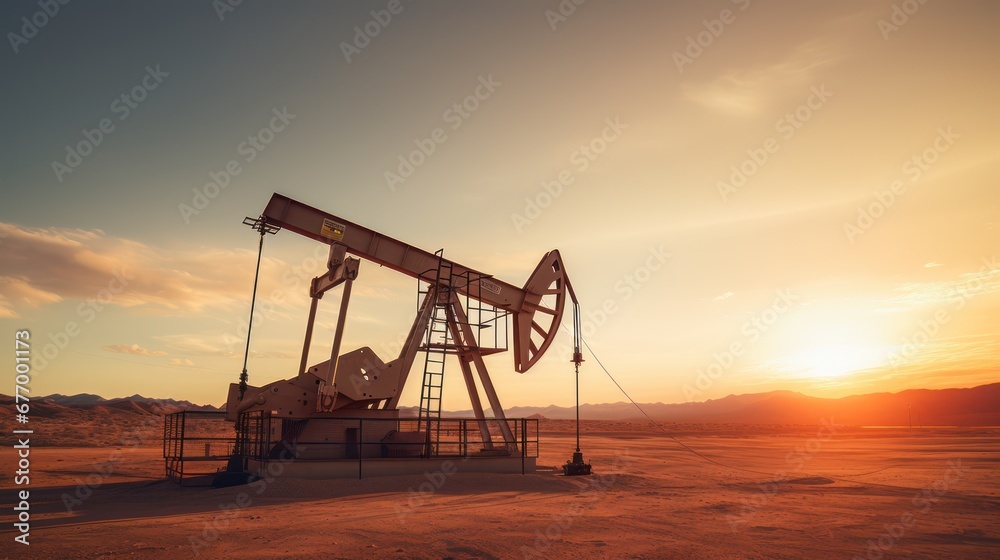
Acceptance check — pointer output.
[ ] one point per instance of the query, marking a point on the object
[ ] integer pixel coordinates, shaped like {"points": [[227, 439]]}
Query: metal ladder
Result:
{"points": [[436, 348]]}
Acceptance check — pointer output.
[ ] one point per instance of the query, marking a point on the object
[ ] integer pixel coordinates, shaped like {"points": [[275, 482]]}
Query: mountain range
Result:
{"points": [[976, 406], [136, 402]]}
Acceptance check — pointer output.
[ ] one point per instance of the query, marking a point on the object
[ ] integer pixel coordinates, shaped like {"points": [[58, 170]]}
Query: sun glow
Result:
{"points": [[832, 360], [829, 344]]}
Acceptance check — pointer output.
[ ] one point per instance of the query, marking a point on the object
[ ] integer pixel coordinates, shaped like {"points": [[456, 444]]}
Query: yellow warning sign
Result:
{"points": [[332, 230]]}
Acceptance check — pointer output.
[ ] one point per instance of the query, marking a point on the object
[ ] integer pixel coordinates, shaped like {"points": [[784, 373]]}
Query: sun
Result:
{"points": [[832, 360], [827, 341]]}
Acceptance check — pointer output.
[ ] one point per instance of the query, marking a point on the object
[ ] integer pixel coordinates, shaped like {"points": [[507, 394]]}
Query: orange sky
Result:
{"points": [[748, 196]]}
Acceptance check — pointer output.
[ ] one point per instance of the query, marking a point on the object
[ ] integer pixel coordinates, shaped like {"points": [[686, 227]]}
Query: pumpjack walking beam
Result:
{"points": [[537, 307]]}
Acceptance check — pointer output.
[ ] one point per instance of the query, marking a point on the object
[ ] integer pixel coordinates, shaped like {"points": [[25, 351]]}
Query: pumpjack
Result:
{"points": [[358, 383]]}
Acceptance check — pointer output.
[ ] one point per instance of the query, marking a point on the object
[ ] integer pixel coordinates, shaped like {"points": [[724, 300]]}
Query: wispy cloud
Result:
{"points": [[749, 91], [6, 310], [133, 349], [273, 355], [182, 362], [196, 345], [967, 286], [18, 291]]}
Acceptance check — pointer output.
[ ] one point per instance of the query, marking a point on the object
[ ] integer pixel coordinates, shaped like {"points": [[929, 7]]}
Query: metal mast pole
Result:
{"points": [[577, 466], [261, 225], [577, 408]]}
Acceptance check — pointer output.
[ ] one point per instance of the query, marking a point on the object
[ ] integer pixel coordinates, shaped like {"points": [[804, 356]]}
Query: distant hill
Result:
{"points": [[86, 419], [141, 403], [82, 399], [976, 406]]}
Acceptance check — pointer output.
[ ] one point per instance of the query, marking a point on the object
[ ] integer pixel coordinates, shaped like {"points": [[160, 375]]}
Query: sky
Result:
{"points": [[748, 196]]}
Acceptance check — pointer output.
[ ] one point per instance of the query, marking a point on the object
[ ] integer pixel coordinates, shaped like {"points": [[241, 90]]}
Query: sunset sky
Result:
{"points": [[765, 195]]}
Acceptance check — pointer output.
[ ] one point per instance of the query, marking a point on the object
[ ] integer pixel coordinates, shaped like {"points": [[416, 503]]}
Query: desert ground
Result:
{"points": [[813, 493]]}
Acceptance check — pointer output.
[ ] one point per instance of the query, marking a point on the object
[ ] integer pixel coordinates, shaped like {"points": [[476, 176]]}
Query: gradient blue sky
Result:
{"points": [[857, 299]]}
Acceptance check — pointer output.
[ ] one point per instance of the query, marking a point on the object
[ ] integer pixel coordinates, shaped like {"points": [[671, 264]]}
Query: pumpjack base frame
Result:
{"points": [[359, 447]]}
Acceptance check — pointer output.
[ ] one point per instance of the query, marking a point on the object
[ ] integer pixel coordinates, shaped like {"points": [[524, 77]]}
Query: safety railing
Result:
{"points": [[196, 444]]}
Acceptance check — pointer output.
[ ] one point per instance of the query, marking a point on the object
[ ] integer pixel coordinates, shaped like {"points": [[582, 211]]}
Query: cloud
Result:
{"points": [[724, 296], [18, 291], [198, 345], [273, 355], [932, 265], [133, 349], [7, 309], [952, 355], [48, 265], [967, 286], [183, 362], [752, 90]]}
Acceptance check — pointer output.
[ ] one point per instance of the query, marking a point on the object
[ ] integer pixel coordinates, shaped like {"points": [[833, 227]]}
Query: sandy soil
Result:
{"points": [[934, 494]]}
